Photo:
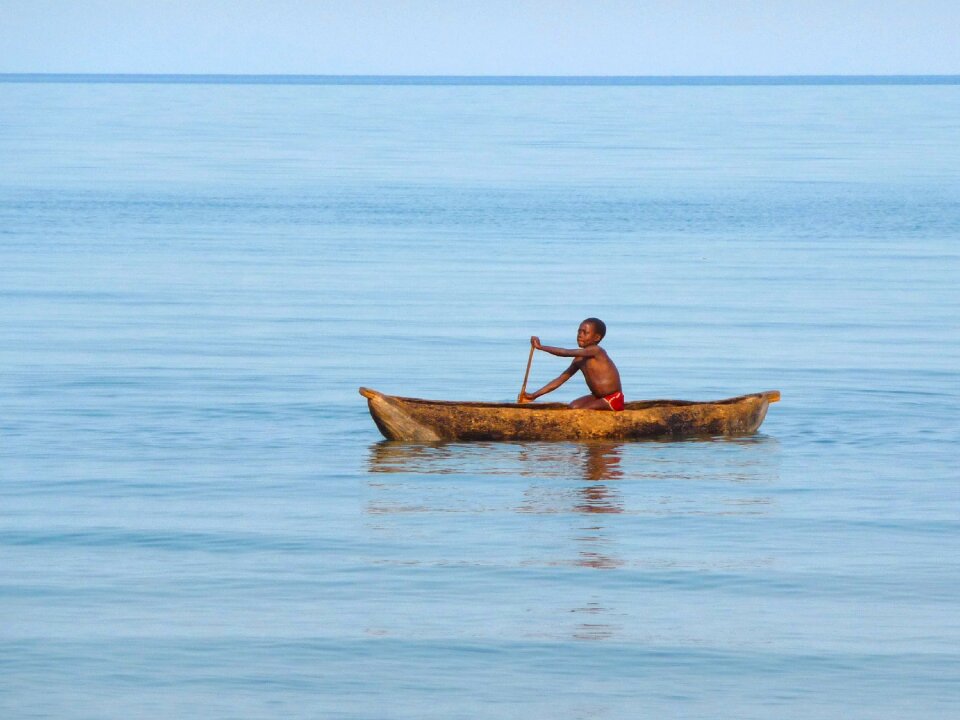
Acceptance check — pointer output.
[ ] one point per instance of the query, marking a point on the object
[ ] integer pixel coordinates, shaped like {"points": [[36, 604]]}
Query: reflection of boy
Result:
{"points": [[598, 370]]}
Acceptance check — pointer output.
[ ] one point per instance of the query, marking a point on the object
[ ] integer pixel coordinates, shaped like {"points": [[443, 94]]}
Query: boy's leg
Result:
{"points": [[589, 402]]}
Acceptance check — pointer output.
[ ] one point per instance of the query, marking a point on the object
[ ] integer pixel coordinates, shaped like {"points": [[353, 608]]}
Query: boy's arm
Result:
{"points": [[553, 384], [589, 351]]}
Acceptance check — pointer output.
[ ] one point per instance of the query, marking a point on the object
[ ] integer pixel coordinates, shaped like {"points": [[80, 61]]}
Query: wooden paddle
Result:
{"points": [[523, 388]]}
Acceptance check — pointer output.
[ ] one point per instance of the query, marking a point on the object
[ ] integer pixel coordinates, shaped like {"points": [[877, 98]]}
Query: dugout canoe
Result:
{"points": [[416, 420]]}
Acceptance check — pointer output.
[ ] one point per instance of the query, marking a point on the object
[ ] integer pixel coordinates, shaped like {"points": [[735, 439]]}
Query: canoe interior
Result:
{"points": [[772, 396]]}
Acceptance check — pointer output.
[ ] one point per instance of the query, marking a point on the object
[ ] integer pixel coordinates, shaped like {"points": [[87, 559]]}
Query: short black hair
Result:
{"points": [[598, 325]]}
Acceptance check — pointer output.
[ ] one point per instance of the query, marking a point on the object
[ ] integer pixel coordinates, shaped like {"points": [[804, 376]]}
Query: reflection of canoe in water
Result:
{"points": [[414, 420]]}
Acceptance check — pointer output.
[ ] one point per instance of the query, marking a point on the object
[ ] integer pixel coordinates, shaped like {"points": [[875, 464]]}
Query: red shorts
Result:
{"points": [[615, 400]]}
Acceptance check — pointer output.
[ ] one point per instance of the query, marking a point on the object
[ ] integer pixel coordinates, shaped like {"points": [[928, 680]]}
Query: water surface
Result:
{"points": [[199, 519]]}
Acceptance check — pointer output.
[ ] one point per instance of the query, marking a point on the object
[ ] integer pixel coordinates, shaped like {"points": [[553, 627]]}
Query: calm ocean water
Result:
{"points": [[198, 518]]}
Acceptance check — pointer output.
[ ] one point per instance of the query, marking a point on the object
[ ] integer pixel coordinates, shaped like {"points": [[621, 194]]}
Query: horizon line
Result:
{"points": [[367, 79]]}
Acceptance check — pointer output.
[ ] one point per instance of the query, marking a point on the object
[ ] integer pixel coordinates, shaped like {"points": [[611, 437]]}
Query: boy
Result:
{"points": [[598, 369]]}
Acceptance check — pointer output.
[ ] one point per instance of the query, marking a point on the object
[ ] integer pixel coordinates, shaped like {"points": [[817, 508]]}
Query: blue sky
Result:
{"points": [[493, 37]]}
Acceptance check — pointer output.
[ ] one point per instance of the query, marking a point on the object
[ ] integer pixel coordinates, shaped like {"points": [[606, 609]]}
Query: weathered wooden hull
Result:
{"points": [[415, 420]]}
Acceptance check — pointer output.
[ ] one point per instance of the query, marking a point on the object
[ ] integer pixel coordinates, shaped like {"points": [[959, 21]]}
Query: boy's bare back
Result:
{"points": [[599, 372]]}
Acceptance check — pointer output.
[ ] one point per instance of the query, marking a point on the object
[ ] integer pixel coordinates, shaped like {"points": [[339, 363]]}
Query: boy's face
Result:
{"points": [[587, 335]]}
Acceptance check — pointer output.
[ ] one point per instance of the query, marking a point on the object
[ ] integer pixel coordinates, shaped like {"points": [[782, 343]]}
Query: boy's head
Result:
{"points": [[591, 331]]}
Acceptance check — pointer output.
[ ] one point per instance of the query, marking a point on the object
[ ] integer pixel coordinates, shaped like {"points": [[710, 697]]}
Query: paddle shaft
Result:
{"points": [[526, 375]]}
